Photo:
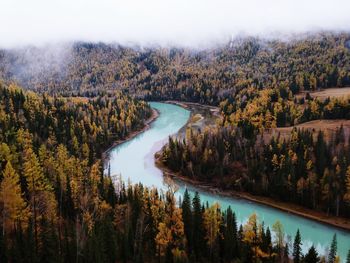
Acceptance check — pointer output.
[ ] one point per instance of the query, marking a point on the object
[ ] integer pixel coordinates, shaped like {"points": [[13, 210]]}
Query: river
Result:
{"points": [[134, 160]]}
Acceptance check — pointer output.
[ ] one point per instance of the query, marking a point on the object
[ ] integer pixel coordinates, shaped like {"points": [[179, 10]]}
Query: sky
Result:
{"points": [[164, 22]]}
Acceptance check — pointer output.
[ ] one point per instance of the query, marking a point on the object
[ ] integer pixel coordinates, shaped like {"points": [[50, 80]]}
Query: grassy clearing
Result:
{"points": [[328, 93], [327, 126]]}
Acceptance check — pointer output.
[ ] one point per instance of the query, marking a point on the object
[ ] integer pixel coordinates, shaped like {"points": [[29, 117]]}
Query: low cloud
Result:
{"points": [[164, 22]]}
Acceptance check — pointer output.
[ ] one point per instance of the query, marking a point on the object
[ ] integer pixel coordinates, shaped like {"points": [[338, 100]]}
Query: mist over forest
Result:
{"points": [[236, 116]]}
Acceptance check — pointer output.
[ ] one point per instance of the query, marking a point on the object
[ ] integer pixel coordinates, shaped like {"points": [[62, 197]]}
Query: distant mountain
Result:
{"points": [[207, 76]]}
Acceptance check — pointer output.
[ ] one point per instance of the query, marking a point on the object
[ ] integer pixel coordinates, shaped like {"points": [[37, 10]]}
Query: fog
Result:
{"points": [[163, 22]]}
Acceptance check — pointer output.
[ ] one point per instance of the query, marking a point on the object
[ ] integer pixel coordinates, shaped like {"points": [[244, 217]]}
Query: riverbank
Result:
{"points": [[200, 115], [319, 216], [133, 134]]}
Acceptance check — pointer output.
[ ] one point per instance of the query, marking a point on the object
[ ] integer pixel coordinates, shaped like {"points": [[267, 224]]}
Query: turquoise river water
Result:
{"points": [[133, 160]]}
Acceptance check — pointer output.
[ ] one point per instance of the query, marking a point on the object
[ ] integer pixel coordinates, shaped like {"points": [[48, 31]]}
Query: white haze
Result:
{"points": [[163, 22]]}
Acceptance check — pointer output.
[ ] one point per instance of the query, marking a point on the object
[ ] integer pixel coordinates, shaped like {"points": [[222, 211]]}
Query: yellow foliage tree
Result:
{"points": [[212, 221], [42, 200], [14, 208]]}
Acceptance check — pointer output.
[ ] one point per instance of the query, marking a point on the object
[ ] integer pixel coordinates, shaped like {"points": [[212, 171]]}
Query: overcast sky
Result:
{"points": [[180, 22]]}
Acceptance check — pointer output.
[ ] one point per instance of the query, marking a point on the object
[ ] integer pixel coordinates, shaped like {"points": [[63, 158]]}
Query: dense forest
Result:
{"points": [[210, 75], [241, 154], [52, 183], [301, 169], [278, 107], [57, 205]]}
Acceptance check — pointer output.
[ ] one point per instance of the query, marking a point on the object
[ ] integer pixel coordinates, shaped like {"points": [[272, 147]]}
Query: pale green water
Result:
{"points": [[134, 161]]}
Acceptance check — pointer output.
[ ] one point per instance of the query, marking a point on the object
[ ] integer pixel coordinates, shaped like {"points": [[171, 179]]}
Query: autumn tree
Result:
{"points": [[15, 212], [212, 220], [42, 200]]}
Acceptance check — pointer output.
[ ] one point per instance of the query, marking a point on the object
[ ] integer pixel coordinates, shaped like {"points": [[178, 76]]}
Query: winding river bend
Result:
{"points": [[134, 161]]}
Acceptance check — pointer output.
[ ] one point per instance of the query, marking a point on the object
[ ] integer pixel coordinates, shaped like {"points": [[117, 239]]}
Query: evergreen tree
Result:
{"points": [[198, 227], [230, 235], [297, 255], [267, 241], [187, 219], [286, 253], [333, 250], [311, 256], [348, 257]]}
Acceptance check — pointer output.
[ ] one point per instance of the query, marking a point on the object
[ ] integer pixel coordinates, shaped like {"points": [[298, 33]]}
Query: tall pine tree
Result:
{"points": [[297, 255], [333, 250]]}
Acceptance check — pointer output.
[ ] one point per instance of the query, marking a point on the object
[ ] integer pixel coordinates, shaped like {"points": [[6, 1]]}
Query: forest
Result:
{"points": [[209, 75], [58, 204], [302, 170]]}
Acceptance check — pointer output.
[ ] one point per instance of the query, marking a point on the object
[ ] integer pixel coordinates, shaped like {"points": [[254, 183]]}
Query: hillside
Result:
{"points": [[320, 60]]}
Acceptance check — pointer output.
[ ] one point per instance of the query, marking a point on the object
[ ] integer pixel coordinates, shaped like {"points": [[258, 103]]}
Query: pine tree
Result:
{"points": [[187, 219], [333, 250], [198, 228], [348, 257], [311, 256], [286, 253], [267, 241], [297, 255], [230, 235]]}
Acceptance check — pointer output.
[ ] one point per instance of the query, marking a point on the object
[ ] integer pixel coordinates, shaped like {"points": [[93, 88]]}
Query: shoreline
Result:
{"points": [[187, 105], [133, 134], [295, 209], [318, 216]]}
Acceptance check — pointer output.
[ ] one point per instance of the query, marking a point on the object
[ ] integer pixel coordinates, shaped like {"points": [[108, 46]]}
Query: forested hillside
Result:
{"points": [[242, 154], [311, 172], [57, 205], [207, 76], [52, 189]]}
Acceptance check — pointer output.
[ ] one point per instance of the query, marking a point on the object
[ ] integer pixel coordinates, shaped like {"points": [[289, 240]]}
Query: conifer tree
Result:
{"points": [[333, 250], [311, 256], [41, 197], [187, 219], [212, 222], [230, 235], [348, 257], [297, 255], [198, 227], [14, 208]]}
